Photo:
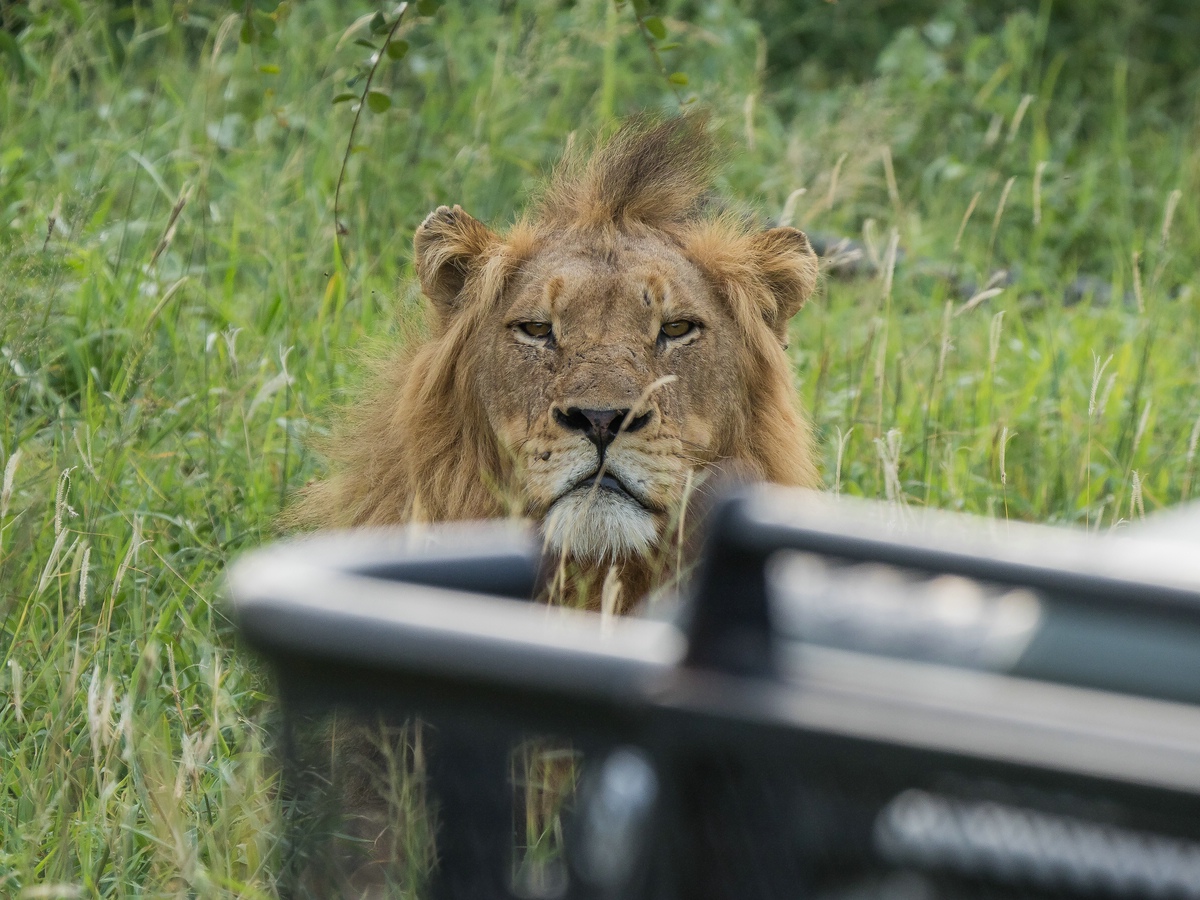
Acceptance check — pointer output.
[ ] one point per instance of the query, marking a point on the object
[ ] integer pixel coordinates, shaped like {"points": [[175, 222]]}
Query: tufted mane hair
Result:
{"points": [[654, 172]]}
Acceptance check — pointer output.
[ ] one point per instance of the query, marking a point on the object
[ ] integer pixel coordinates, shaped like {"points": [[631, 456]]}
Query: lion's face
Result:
{"points": [[613, 367], [588, 366], [600, 373]]}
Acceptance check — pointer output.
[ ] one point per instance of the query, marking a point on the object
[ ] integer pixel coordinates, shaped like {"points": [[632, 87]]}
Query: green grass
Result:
{"points": [[160, 383]]}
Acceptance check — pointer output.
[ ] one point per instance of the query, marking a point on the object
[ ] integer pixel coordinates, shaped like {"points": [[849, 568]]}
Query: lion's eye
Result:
{"points": [[678, 328], [536, 329]]}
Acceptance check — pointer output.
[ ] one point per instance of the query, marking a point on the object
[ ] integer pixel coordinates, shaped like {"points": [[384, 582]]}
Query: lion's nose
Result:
{"points": [[600, 426]]}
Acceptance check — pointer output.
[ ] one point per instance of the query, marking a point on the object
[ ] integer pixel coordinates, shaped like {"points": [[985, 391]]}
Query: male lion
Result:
{"points": [[584, 369]]}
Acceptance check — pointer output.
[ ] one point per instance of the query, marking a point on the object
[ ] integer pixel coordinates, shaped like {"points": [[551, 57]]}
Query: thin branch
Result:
{"points": [[653, 48], [338, 227]]}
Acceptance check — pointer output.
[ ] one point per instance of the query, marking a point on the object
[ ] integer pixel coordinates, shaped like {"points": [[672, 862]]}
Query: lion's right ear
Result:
{"points": [[786, 261], [448, 245]]}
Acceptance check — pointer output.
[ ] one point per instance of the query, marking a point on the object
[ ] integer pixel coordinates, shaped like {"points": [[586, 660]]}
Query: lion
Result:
{"points": [[622, 340], [586, 369]]}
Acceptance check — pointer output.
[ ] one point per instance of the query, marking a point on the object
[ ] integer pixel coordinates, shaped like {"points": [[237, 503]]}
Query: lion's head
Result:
{"points": [[585, 367]]}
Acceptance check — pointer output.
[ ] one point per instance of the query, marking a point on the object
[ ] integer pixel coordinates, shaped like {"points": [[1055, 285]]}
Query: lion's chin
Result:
{"points": [[599, 525]]}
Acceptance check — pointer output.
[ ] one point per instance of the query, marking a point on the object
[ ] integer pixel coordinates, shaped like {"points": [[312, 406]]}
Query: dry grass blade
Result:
{"points": [[977, 299]]}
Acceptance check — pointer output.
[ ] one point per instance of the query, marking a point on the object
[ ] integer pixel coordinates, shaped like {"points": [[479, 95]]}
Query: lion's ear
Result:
{"points": [[447, 246], [788, 264]]}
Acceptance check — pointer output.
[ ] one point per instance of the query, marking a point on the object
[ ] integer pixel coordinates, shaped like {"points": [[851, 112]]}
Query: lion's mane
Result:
{"points": [[418, 445]]}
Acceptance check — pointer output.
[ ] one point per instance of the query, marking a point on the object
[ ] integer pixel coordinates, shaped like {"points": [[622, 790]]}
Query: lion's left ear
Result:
{"points": [[447, 247], [788, 265]]}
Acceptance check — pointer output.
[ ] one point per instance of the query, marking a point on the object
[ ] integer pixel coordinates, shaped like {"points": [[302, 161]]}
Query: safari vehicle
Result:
{"points": [[848, 701]]}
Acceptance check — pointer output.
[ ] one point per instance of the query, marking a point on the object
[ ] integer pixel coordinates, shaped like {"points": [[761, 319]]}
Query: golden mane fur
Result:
{"points": [[422, 443]]}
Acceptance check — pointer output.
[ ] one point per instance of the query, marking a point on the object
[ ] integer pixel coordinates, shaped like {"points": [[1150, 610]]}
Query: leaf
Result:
{"points": [[9, 45], [378, 101], [344, 96], [76, 11], [428, 7], [678, 78], [640, 7], [397, 49], [655, 26], [379, 24], [264, 24], [247, 32], [269, 69], [669, 45], [363, 42]]}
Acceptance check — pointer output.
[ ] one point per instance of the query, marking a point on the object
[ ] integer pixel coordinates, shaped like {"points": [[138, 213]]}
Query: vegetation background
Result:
{"points": [[1019, 335]]}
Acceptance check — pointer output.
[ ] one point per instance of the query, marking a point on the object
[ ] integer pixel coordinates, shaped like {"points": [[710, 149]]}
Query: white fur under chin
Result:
{"points": [[599, 525]]}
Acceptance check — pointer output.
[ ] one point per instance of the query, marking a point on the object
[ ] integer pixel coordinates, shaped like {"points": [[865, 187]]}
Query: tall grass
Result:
{"points": [[175, 323]]}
